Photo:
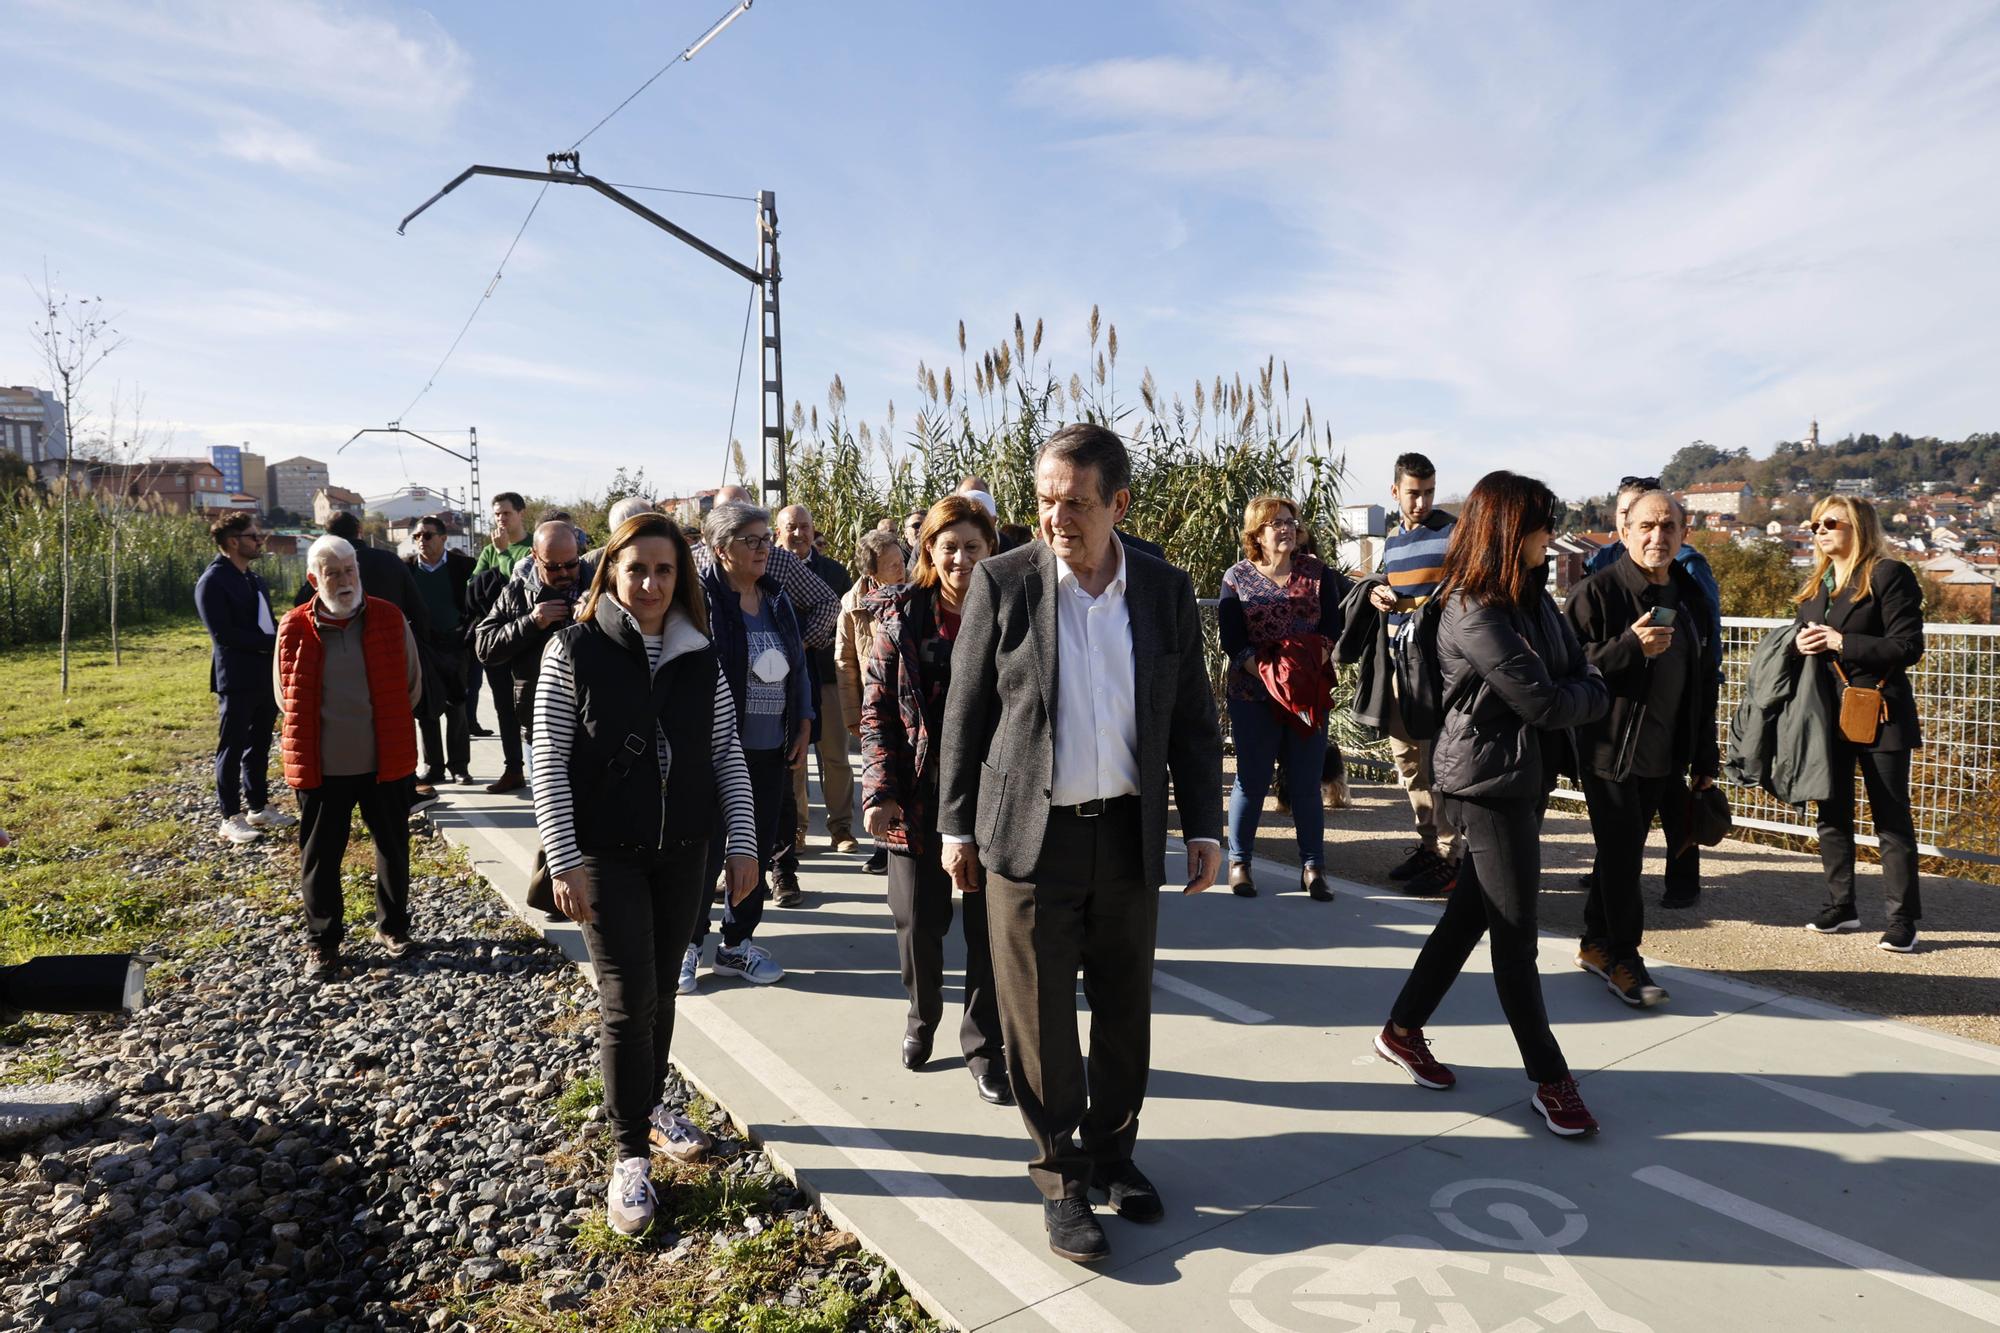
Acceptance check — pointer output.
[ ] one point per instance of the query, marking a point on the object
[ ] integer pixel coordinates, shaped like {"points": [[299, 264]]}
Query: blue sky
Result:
{"points": [[1564, 238]]}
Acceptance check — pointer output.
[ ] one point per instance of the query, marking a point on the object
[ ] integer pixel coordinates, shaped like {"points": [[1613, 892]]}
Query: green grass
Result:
{"points": [[574, 1102]]}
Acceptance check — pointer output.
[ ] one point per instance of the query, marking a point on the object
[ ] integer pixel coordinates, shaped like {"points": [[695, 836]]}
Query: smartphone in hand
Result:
{"points": [[1661, 616]]}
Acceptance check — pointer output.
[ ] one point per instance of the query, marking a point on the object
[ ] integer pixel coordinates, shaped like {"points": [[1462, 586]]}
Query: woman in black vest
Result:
{"points": [[637, 769], [1866, 608], [903, 686]]}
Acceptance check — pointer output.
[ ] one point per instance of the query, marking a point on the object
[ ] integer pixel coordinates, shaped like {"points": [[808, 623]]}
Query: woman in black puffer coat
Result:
{"points": [[1515, 683]]}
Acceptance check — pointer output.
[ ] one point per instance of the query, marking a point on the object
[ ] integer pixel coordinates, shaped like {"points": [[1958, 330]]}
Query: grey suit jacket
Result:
{"points": [[998, 738]]}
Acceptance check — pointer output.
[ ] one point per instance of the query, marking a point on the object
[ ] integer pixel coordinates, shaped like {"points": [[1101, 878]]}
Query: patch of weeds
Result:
{"points": [[595, 1236], [707, 1114], [709, 1199], [41, 1067], [573, 1103]]}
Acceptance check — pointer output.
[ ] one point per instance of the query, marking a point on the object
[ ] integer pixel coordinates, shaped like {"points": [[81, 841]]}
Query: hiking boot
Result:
{"points": [[396, 946], [1074, 1233], [1420, 859], [630, 1200], [323, 961], [1413, 1054], [785, 891], [1835, 920], [676, 1136], [237, 829], [269, 817], [748, 961], [1594, 957], [510, 780], [689, 962], [1561, 1106], [1441, 878], [1630, 982], [1900, 937]]}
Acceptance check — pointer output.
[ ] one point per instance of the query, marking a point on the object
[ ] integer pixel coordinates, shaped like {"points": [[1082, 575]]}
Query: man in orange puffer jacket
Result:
{"points": [[348, 680]]}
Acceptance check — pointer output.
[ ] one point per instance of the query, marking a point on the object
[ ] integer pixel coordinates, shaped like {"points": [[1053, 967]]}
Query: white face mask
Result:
{"points": [[771, 666]]}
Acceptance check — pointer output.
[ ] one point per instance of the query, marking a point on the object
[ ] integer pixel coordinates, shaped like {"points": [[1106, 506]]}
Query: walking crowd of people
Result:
{"points": [[1034, 715]]}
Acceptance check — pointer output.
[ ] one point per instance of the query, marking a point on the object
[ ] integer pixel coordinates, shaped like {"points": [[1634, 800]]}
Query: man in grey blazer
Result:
{"points": [[1078, 691]]}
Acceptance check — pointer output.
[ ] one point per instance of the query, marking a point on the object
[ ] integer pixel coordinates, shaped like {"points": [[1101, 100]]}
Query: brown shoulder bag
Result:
{"points": [[1862, 710]]}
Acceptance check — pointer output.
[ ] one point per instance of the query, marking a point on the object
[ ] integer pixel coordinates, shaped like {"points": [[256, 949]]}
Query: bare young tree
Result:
{"points": [[128, 440], [73, 335]]}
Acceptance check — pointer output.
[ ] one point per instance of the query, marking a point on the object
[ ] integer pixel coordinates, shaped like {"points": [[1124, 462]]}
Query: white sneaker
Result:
{"points": [[689, 962], [749, 962], [676, 1136], [630, 1200], [270, 817], [237, 829]]}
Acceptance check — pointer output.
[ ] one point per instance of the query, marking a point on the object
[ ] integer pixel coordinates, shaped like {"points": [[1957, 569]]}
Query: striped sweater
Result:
{"points": [[1413, 561], [555, 735]]}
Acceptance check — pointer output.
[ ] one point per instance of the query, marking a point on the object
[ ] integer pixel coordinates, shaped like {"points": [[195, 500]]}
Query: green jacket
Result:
{"points": [[1781, 738]]}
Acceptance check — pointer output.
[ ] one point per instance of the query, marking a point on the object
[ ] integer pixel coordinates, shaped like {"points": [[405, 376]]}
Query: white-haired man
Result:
{"points": [[348, 680]]}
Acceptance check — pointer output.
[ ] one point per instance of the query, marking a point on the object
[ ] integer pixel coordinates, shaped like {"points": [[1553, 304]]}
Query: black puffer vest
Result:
{"points": [[614, 773]]}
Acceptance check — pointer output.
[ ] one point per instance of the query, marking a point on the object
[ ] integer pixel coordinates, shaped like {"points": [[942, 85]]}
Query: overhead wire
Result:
{"points": [[522, 230], [736, 398]]}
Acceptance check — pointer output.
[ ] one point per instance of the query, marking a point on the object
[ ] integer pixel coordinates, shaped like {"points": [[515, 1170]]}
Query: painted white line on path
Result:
{"points": [[1863, 1116], [1201, 995], [1032, 1279], [1981, 1305]]}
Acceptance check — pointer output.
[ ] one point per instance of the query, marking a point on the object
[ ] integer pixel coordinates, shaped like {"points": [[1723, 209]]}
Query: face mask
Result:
{"points": [[771, 666]]}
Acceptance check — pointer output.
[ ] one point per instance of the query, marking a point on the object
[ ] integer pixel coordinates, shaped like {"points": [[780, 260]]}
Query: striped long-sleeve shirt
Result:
{"points": [[555, 735], [813, 599], [1413, 561]]}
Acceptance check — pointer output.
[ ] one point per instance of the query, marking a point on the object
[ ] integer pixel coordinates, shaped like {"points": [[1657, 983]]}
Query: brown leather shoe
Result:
{"points": [[511, 780]]}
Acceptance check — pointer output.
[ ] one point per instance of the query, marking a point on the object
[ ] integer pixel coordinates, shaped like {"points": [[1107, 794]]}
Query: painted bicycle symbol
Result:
{"points": [[1413, 1284]]}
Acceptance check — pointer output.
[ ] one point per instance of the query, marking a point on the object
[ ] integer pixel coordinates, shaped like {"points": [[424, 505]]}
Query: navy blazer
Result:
{"points": [[226, 600]]}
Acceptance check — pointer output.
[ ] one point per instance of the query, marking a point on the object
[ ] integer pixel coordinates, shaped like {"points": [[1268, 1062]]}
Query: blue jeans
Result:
{"points": [[1261, 737]]}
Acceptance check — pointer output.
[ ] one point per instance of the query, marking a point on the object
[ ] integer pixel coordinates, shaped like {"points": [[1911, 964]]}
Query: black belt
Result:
{"points": [[1094, 809]]}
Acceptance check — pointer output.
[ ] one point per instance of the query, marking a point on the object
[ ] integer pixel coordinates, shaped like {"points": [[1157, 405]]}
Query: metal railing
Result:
{"points": [[1954, 777]]}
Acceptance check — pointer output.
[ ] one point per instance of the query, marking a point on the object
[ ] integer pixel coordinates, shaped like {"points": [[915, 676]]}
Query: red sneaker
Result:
{"points": [[1413, 1053], [1562, 1107]]}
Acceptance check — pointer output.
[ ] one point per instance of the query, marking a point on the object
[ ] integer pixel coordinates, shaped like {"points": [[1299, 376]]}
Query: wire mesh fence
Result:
{"points": [[1954, 777]]}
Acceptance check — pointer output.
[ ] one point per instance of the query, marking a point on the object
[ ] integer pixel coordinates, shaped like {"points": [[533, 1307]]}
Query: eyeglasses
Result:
{"points": [[1645, 483], [251, 536], [1291, 523], [754, 544], [559, 566], [1826, 525]]}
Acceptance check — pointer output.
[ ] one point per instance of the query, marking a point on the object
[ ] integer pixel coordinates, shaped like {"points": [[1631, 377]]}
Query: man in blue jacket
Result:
{"points": [[1683, 882], [235, 609]]}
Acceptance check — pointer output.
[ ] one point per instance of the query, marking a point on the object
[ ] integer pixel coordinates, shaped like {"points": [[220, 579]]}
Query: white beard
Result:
{"points": [[342, 604]]}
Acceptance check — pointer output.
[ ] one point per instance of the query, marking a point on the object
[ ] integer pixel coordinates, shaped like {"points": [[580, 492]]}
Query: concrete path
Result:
{"points": [[1766, 1163]]}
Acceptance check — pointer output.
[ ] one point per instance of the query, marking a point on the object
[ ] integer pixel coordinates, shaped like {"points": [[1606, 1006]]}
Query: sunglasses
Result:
{"points": [[559, 566], [428, 536], [1648, 483], [1826, 525]]}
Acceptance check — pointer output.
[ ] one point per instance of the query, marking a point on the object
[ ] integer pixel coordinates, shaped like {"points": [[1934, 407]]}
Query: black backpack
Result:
{"points": [[1413, 655]]}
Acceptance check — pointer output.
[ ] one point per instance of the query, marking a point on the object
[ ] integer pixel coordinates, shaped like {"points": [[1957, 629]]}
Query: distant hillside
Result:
{"points": [[1889, 462]]}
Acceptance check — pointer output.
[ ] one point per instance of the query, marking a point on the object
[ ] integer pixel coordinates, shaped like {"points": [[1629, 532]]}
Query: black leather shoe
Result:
{"points": [[1243, 887], [994, 1087], [1128, 1192], [916, 1053], [1677, 898], [1073, 1231], [477, 730], [1318, 889]]}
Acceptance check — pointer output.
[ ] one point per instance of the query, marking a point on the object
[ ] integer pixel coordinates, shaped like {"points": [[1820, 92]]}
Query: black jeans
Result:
{"points": [[643, 907], [325, 814], [770, 780], [501, 682], [243, 724], [1683, 877], [1885, 774], [1621, 819], [1088, 909], [474, 674], [920, 894], [455, 754], [1498, 878]]}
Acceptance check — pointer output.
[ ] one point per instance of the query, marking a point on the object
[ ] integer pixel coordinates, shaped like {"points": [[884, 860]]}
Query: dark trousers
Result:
{"points": [[325, 815], [474, 674], [769, 781], [504, 721], [1087, 908], [920, 894], [644, 907], [1621, 819], [244, 721], [455, 754], [1498, 878], [785, 839], [1683, 877], [1885, 774]]}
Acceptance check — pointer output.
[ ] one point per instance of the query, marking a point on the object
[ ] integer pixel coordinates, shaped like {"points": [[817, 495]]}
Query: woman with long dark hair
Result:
{"points": [[1865, 608], [903, 686], [1515, 682], [637, 770]]}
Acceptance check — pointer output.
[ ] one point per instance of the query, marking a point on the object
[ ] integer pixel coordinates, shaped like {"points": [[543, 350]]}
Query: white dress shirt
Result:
{"points": [[1097, 720]]}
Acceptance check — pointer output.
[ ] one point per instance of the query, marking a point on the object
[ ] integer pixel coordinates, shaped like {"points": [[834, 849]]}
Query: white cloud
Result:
{"points": [[1142, 89], [266, 143]]}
